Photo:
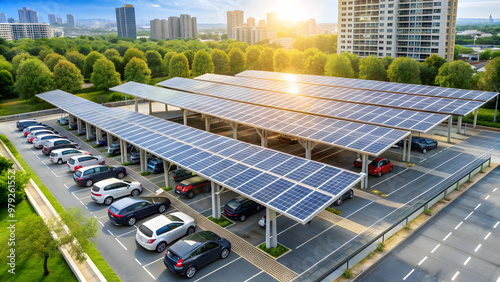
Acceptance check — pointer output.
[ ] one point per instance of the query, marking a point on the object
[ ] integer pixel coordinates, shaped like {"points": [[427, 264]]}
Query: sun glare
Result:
{"points": [[291, 12]]}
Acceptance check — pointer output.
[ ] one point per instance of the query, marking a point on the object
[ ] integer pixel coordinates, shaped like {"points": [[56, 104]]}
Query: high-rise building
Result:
{"points": [[70, 20], [27, 15], [272, 21], [11, 20], [408, 28], [252, 35], [234, 19], [194, 23], [52, 19], [159, 29], [490, 20], [3, 17], [174, 30], [125, 21], [60, 20], [262, 23], [250, 21], [186, 26], [15, 31], [310, 28]]}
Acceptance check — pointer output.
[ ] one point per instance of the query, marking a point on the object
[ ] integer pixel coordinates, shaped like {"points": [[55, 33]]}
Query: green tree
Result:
{"points": [[83, 229], [252, 54], [34, 78], [237, 61], [427, 74], [281, 60], [435, 61], [223, 36], [266, 59], [6, 84], [68, 77], [104, 75], [51, 60], [84, 49], [76, 58], [133, 52], [463, 50], [220, 60], [44, 52], [178, 66], [316, 64], [485, 55], [296, 61], [153, 58], [17, 188], [457, 74], [371, 68], [166, 62], [137, 70], [354, 62], [190, 56], [386, 62], [338, 66], [404, 70], [4, 65], [17, 61], [88, 65], [491, 80], [202, 63], [109, 53]]}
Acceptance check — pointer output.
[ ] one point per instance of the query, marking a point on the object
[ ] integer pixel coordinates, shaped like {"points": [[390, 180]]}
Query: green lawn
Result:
{"points": [[31, 269], [484, 117]]}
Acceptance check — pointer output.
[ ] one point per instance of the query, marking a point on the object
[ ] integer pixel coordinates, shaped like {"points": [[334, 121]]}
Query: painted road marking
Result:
{"points": [[455, 276], [120, 243], [458, 225], [422, 261], [109, 232], [152, 262], [477, 248], [210, 273], [254, 276], [435, 248], [467, 261], [101, 223], [495, 189], [488, 235], [496, 224], [408, 274], [449, 234], [127, 232], [477, 206], [138, 262], [487, 197], [149, 272], [468, 215]]}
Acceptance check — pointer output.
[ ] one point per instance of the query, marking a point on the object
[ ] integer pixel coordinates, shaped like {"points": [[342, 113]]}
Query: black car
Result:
{"points": [[89, 175], [103, 141], [241, 207], [73, 126], [129, 210], [420, 143], [182, 174], [347, 195], [154, 165], [195, 251], [47, 150], [22, 124]]}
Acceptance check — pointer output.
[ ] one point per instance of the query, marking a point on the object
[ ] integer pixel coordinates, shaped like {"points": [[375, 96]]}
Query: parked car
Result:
{"points": [[195, 251], [76, 162], [420, 143], [129, 210], [347, 195], [83, 129], [103, 141], [240, 208], [287, 139], [89, 175], [380, 166], [158, 232], [92, 135], [154, 165], [134, 156], [181, 174], [106, 191], [39, 132], [29, 129], [116, 150], [262, 221], [47, 150], [40, 140], [57, 141], [22, 124], [194, 185], [73, 126], [63, 120], [62, 155]]}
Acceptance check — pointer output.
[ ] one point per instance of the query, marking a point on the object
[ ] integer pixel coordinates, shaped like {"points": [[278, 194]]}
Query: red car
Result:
{"points": [[377, 167]]}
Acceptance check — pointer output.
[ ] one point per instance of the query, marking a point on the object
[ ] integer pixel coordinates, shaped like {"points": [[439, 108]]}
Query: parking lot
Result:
{"points": [[313, 247]]}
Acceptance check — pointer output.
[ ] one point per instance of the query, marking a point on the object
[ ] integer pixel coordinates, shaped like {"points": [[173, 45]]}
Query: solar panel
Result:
{"points": [[353, 112], [403, 101], [224, 169], [415, 89], [285, 122]]}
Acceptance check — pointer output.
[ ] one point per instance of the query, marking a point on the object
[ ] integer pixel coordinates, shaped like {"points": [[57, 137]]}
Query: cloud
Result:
{"points": [[155, 5]]}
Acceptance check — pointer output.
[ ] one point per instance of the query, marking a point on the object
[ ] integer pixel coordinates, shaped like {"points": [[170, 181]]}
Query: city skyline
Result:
{"points": [[215, 11]]}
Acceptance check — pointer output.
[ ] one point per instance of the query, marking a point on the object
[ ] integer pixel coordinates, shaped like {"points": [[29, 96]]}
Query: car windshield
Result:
{"points": [[374, 163], [53, 154], [233, 204], [78, 173], [173, 218], [71, 161], [113, 210], [146, 231]]}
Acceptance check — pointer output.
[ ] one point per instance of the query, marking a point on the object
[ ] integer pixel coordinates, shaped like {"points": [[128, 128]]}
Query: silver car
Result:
{"points": [[62, 155], [40, 140], [107, 190], [157, 233]]}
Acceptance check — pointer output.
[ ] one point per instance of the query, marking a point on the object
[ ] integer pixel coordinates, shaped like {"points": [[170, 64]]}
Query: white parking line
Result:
{"points": [[392, 176], [73, 193], [216, 270], [409, 273], [455, 276], [487, 197], [138, 261], [467, 261], [67, 185], [449, 234], [288, 228], [149, 272], [495, 189], [333, 225], [121, 244], [422, 261], [254, 276], [127, 232], [55, 174], [101, 223], [152, 262], [496, 224], [468, 215], [435, 248], [109, 232], [458, 225], [487, 235], [477, 248], [478, 205]]}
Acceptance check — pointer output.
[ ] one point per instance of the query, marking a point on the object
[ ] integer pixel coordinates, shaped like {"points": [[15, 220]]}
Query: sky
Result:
{"points": [[214, 11]]}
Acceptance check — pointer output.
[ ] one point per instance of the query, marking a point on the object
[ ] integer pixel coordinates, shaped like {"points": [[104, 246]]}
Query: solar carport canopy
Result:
{"points": [[395, 118], [446, 106], [296, 187], [414, 89], [358, 137]]}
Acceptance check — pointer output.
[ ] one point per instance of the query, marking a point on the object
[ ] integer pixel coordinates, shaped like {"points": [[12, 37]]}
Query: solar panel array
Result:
{"points": [[415, 89], [293, 186], [404, 101], [363, 138], [395, 118]]}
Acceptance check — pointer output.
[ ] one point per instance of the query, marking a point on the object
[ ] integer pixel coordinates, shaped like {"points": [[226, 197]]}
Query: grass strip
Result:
{"points": [[222, 221], [275, 252]]}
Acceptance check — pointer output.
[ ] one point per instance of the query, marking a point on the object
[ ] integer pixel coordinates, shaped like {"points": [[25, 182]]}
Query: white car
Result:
{"points": [[157, 233], [39, 141], [74, 163], [28, 129], [62, 155], [107, 190], [36, 133]]}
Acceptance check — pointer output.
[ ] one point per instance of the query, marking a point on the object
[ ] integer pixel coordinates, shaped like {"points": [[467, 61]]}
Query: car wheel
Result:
{"points": [[89, 183], [59, 161], [339, 202], [161, 247], [162, 208], [190, 195], [225, 253], [190, 230], [120, 175], [351, 195], [243, 217], [379, 173], [135, 193], [131, 220], [190, 272], [108, 201], [391, 169], [208, 188], [424, 151]]}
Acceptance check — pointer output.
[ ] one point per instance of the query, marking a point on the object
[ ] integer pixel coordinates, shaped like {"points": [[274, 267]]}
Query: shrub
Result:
{"points": [[380, 247], [347, 273], [222, 221], [428, 212], [275, 252]]}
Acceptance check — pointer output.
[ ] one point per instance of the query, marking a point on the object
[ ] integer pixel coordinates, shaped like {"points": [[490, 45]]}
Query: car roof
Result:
{"points": [[64, 149], [108, 181], [240, 199], [125, 202], [193, 180], [157, 222], [380, 159], [191, 242], [89, 167]]}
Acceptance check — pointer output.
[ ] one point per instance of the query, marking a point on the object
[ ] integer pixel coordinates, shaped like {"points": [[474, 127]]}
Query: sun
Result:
{"points": [[291, 12]]}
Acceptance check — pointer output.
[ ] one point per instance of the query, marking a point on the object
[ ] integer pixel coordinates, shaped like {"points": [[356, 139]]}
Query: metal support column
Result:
{"points": [[263, 137], [234, 126], [142, 159], [364, 169], [98, 134], [87, 131], [308, 146], [459, 125], [110, 138], [496, 107], [184, 116], [208, 122], [409, 149], [450, 124], [136, 104], [71, 119], [166, 169], [475, 119], [78, 124], [404, 149], [271, 229], [123, 150], [150, 104], [215, 200], [166, 108]]}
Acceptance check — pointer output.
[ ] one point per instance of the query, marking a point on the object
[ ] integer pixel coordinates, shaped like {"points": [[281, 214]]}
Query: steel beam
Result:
{"points": [[215, 200]]}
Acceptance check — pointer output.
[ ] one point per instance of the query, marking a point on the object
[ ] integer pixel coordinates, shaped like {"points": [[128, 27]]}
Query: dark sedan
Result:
{"points": [[47, 150], [347, 195], [129, 210], [195, 251], [89, 175], [422, 144], [182, 174], [240, 208], [22, 124]]}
